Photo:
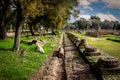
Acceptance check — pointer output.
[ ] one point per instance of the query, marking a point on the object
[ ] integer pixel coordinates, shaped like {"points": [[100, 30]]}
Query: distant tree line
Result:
{"points": [[95, 23]]}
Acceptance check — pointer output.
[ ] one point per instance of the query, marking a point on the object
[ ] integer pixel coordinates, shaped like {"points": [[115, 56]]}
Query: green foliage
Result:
{"points": [[95, 22], [95, 18], [61, 11], [57, 31], [83, 24], [107, 24]]}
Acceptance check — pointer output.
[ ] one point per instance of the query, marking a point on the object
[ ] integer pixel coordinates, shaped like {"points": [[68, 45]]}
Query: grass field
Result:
{"points": [[17, 66], [105, 46]]}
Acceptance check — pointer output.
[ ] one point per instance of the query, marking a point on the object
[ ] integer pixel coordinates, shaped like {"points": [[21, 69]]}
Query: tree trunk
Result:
{"points": [[3, 13], [18, 27], [31, 29], [3, 32], [53, 33], [17, 37], [11, 18]]}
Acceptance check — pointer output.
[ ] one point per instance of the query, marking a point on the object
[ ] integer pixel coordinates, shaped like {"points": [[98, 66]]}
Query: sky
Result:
{"points": [[105, 9]]}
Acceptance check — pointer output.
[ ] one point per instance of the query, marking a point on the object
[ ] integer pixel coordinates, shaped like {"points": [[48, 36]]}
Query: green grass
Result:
{"points": [[111, 36], [105, 46], [17, 66]]}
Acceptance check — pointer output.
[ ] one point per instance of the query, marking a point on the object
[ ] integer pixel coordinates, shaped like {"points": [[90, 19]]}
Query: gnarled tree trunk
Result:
{"points": [[3, 13], [18, 27], [3, 32]]}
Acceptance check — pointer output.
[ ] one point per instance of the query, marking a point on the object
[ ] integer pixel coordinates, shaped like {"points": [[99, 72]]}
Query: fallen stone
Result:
{"points": [[40, 49], [39, 43], [108, 62], [61, 53], [91, 51]]}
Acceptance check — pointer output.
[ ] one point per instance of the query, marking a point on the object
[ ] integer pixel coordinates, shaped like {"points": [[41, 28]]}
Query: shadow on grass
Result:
{"points": [[6, 49], [91, 35]]}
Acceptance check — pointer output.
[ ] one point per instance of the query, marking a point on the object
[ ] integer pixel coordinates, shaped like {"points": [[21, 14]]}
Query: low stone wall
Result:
{"points": [[88, 52]]}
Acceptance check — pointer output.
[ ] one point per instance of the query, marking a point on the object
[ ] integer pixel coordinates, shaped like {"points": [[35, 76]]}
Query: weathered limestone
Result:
{"points": [[83, 44], [90, 51], [108, 62], [77, 41], [61, 53], [40, 49], [39, 46], [74, 39]]}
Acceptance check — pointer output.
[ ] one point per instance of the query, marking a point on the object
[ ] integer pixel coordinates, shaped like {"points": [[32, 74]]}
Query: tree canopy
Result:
{"points": [[49, 13]]}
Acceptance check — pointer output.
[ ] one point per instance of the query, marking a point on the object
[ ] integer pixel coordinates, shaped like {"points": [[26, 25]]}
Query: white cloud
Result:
{"points": [[107, 16], [93, 0], [86, 16], [82, 11], [112, 3], [86, 3], [103, 17], [88, 7]]}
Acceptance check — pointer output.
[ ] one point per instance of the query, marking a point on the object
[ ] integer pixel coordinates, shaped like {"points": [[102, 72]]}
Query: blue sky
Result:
{"points": [[105, 9]]}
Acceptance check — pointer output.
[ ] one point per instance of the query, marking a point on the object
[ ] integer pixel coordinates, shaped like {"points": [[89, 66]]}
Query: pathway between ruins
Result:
{"points": [[72, 67], [75, 66]]}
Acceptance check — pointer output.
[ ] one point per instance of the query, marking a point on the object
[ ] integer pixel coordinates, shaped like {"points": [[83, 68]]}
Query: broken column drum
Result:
{"points": [[91, 51], [61, 53], [73, 38], [77, 42], [108, 62], [82, 44]]}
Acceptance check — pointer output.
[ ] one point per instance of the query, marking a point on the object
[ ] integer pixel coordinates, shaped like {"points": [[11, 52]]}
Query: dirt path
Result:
{"points": [[75, 66], [52, 68], [72, 67]]}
